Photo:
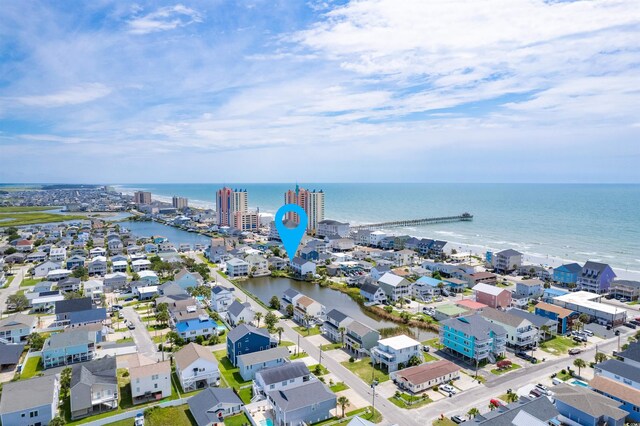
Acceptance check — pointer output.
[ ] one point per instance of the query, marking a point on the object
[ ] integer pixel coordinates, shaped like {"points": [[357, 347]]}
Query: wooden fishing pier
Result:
{"points": [[464, 217]]}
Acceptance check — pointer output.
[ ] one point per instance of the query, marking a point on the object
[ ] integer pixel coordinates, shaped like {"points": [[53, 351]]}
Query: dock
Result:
{"points": [[464, 217]]}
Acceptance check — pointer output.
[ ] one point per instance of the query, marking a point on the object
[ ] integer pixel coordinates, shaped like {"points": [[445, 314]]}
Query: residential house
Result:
{"points": [[456, 285], [196, 367], [521, 334], [211, 406], [140, 265], [620, 380], [31, 402], [258, 264], [186, 279], [170, 289], [526, 411], [284, 376], [245, 339], [69, 284], [58, 274], [97, 266], [249, 364], [305, 310], [532, 288], [148, 277], [626, 289], [335, 325], [333, 227], [94, 289], [481, 277], [97, 251], [119, 266], [372, 293], [309, 253], [150, 381], [114, 281], [115, 245], [78, 312], [75, 262], [492, 296], [24, 246], [508, 260], [276, 263], [563, 317], [579, 405], [237, 267], [202, 325], [426, 288], [595, 277], [238, 312], [221, 298], [394, 353], [425, 376], [302, 267], [94, 387], [70, 347], [57, 254], [378, 271], [38, 256], [473, 338], [567, 274], [290, 294], [17, 327], [311, 402], [44, 268], [394, 287]]}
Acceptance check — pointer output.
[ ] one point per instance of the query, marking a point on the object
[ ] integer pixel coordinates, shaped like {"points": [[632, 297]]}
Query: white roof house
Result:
{"points": [[487, 288], [391, 279], [399, 342]]}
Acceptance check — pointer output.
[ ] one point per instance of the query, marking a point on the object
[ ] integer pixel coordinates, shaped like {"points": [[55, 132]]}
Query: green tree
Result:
{"points": [[10, 250], [274, 303], [405, 316], [57, 421], [580, 364], [584, 319], [289, 310], [600, 357], [36, 341], [344, 402], [19, 301], [279, 330], [414, 360], [341, 330], [512, 397], [473, 412], [270, 320], [65, 382], [80, 272], [545, 330], [73, 295], [307, 322], [201, 290], [163, 317], [258, 317]]}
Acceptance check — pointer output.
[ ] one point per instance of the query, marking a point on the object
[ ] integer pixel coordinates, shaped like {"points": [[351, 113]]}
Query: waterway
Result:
{"points": [[175, 235], [266, 287]]}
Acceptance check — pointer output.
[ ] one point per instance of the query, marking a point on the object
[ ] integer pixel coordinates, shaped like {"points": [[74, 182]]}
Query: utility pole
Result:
{"points": [[374, 383]]}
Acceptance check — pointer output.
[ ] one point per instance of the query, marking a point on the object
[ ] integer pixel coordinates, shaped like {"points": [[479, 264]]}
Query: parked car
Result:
{"points": [[139, 421], [628, 324], [448, 388], [579, 339], [426, 348], [131, 326], [535, 392], [589, 333], [457, 419], [574, 351]]}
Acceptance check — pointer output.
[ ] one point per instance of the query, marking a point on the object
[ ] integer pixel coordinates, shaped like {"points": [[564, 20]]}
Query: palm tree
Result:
{"points": [[512, 397], [545, 329], [579, 362], [356, 349], [492, 406], [584, 319], [307, 320], [577, 324], [258, 317], [472, 413], [341, 330], [600, 357], [344, 402], [279, 330]]}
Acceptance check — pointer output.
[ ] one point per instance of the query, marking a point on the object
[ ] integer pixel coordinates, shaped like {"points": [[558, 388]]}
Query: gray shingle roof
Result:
{"points": [[201, 403], [509, 253], [314, 392], [236, 308], [25, 394], [504, 317], [621, 369], [240, 331], [536, 320], [73, 305], [573, 268], [474, 325], [291, 293], [588, 401], [283, 372], [101, 371], [337, 316], [66, 339], [369, 288], [264, 356], [540, 408], [632, 352], [10, 354]]}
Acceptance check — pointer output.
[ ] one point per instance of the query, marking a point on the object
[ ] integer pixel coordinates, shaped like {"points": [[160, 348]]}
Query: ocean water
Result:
{"points": [[569, 221]]}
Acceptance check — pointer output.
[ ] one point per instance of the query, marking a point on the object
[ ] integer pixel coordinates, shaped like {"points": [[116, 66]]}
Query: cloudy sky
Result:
{"points": [[273, 91]]}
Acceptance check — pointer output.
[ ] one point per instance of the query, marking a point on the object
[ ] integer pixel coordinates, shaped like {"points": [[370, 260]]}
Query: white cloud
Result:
{"points": [[163, 19], [78, 94]]}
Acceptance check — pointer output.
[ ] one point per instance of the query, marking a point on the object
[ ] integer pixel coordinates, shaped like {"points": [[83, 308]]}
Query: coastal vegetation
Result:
{"points": [[31, 218]]}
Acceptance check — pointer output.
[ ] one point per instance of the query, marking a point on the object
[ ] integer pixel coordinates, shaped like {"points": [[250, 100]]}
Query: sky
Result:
{"points": [[320, 91]]}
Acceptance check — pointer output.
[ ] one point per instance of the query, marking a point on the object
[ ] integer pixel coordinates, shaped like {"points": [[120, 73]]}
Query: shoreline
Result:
{"points": [[473, 249]]}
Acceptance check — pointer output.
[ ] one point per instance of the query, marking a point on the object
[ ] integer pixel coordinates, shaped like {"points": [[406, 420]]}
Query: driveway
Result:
{"points": [[140, 334], [13, 287]]}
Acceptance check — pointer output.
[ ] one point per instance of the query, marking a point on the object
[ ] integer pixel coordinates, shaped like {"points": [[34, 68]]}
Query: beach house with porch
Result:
{"points": [[473, 338]]}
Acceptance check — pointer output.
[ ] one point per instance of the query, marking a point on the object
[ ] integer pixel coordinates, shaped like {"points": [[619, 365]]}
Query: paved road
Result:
{"points": [[13, 287], [140, 334]]}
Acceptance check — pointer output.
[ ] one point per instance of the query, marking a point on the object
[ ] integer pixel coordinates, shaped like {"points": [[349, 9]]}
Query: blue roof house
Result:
{"points": [[567, 274], [246, 339], [202, 326]]}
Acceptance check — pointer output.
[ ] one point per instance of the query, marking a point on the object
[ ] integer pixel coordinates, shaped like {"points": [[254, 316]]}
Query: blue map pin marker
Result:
{"points": [[291, 237]]}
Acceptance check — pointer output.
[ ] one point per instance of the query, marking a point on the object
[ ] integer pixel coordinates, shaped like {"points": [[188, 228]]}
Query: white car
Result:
{"points": [[448, 388]]}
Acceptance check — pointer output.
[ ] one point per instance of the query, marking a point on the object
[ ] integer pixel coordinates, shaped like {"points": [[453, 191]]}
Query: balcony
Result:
{"points": [[385, 356]]}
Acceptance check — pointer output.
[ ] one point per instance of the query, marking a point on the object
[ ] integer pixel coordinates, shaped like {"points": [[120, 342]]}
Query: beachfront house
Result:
{"points": [[395, 353], [626, 289], [567, 274], [595, 277], [508, 260]]}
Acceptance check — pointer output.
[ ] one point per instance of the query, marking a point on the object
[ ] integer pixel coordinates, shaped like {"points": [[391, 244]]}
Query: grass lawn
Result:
{"points": [[331, 346], [19, 219], [174, 416], [229, 373], [28, 282], [434, 343], [365, 370], [558, 345], [444, 422], [428, 357], [318, 370], [9, 280], [363, 413], [304, 331], [298, 355], [32, 367], [22, 209], [340, 386], [409, 401], [498, 372], [125, 340], [237, 420], [564, 377], [125, 422], [245, 394], [286, 343]]}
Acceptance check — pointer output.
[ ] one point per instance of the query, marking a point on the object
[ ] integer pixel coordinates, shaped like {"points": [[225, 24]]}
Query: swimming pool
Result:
{"points": [[266, 422], [580, 383]]}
